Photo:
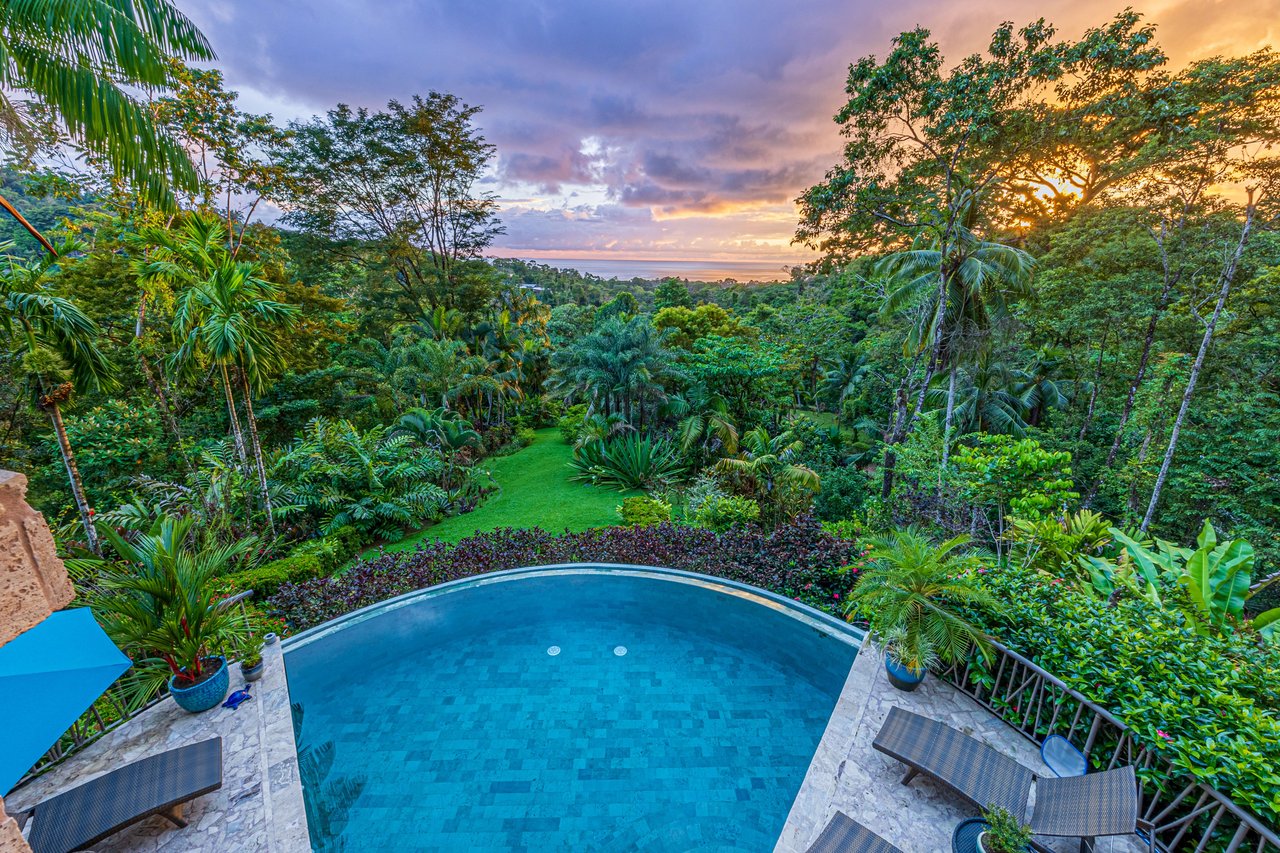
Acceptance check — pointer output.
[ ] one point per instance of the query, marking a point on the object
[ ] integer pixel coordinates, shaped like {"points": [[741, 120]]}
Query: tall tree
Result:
{"points": [[59, 353], [79, 61], [404, 179], [232, 319], [932, 156]]}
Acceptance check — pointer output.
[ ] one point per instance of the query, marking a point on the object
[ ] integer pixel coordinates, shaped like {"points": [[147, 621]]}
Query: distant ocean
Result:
{"points": [[624, 269]]}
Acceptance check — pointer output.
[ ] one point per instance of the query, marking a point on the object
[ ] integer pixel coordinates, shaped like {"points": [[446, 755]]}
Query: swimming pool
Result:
{"points": [[564, 708]]}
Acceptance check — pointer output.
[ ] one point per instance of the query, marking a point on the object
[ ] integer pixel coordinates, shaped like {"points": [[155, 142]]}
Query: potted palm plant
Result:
{"points": [[157, 602], [1004, 833], [905, 597], [251, 662]]}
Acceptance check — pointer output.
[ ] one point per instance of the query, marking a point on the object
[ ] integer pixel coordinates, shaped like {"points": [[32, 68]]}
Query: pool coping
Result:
{"points": [[798, 610]]}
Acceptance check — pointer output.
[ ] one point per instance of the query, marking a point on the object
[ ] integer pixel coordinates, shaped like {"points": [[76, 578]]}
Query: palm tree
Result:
{"points": [[233, 319], [705, 420], [618, 368], [766, 468], [990, 395], [80, 60], [957, 293], [842, 379], [59, 343], [905, 596]]}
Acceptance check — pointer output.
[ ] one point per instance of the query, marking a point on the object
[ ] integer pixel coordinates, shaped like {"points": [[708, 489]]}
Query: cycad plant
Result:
{"points": [[906, 596], [157, 601]]}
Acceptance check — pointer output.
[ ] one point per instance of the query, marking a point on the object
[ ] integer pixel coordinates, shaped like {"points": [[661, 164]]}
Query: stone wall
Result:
{"points": [[33, 581], [33, 584]]}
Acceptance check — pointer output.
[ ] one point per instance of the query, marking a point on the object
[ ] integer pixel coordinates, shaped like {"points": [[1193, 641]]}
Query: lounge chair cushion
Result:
{"points": [[1090, 806], [843, 834], [103, 806], [974, 770]]}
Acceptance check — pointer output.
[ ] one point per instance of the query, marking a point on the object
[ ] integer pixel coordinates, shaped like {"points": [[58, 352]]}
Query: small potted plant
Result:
{"points": [[159, 603], [904, 595], [1004, 833], [251, 658]]}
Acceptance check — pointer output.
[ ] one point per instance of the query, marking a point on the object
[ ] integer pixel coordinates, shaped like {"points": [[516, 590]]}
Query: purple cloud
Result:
{"points": [[648, 126]]}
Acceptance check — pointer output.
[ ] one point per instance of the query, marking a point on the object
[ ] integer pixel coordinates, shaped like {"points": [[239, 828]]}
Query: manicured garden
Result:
{"points": [[533, 490]]}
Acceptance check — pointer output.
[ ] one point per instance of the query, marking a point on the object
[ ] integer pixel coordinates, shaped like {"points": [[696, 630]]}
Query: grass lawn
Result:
{"points": [[534, 491]]}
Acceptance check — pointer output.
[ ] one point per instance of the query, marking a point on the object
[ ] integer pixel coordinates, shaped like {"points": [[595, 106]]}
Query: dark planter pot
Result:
{"points": [[205, 695], [902, 677], [253, 673]]}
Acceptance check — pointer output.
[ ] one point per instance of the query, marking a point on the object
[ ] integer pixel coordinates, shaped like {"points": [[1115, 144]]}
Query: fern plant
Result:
{"points": [[382, 484]]}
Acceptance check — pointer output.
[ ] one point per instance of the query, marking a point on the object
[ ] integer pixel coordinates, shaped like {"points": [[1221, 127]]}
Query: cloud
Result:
{"points": [[650, 125]]}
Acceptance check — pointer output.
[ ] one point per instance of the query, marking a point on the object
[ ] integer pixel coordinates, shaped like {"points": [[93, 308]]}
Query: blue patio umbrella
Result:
{"points": [[49, 675]]}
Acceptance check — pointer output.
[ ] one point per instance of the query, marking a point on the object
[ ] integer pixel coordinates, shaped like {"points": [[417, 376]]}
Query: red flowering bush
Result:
{"points": [[798, 560]]}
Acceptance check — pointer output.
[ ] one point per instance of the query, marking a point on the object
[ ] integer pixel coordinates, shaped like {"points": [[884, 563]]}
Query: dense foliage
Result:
{"points": [[799, 560], [1206, 703]]}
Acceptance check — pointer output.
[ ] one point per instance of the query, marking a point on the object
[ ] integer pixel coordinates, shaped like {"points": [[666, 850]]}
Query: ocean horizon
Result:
{"points": [[628, 268]]}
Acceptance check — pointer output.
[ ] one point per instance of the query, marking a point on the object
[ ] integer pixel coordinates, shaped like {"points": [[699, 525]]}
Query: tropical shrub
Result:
{"points": [[842, 494], [629, 461], [767, 469], [725, 512], [570, 423], [1016, 476], [798, 560], [525, 437], [267, 578], [640, 510], [1207, 704], [383, 485]]}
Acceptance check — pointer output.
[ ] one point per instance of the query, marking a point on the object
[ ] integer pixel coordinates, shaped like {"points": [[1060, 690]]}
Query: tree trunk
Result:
{"points": [[1228, 274], [946, 429], [73, 474], [257, 452], [31, 229], [148, 373], [235, 418], [1148, 340], [1093, 393]]}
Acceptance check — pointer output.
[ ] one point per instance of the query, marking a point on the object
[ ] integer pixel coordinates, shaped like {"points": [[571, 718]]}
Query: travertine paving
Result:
{"points": [[260, 805], [848, 775]]}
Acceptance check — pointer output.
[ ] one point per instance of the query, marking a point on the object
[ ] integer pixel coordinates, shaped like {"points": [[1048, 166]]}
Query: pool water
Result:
{"points": [[574, 711]]}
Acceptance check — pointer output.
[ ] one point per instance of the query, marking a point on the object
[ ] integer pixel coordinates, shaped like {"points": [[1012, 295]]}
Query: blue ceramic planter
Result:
{"points": [[205, 695], [901, 677]]}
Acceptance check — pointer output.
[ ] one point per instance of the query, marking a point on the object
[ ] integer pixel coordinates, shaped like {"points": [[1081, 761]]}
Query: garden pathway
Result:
{"points": [[259, 806]]}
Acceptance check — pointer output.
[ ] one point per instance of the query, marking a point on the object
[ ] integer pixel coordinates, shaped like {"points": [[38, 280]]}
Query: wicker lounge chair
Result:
{"points": [[1087, 807], [843, 834], [160, 784], [975, 771]]}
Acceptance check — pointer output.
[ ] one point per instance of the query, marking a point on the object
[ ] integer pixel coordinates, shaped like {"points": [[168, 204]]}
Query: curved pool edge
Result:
{"points": [[817, 619]]}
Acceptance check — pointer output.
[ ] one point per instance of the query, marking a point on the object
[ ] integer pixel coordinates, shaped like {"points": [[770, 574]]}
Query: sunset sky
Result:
{"points": [[672, 131]]}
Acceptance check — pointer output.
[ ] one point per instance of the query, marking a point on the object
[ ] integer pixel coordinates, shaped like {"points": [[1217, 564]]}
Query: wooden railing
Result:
{"points": [[1176, 813], [109, 712]]}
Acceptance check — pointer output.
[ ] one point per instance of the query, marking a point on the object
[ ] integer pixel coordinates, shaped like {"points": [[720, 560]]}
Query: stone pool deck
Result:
{"points": [[259, 806], [848, 775]]}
